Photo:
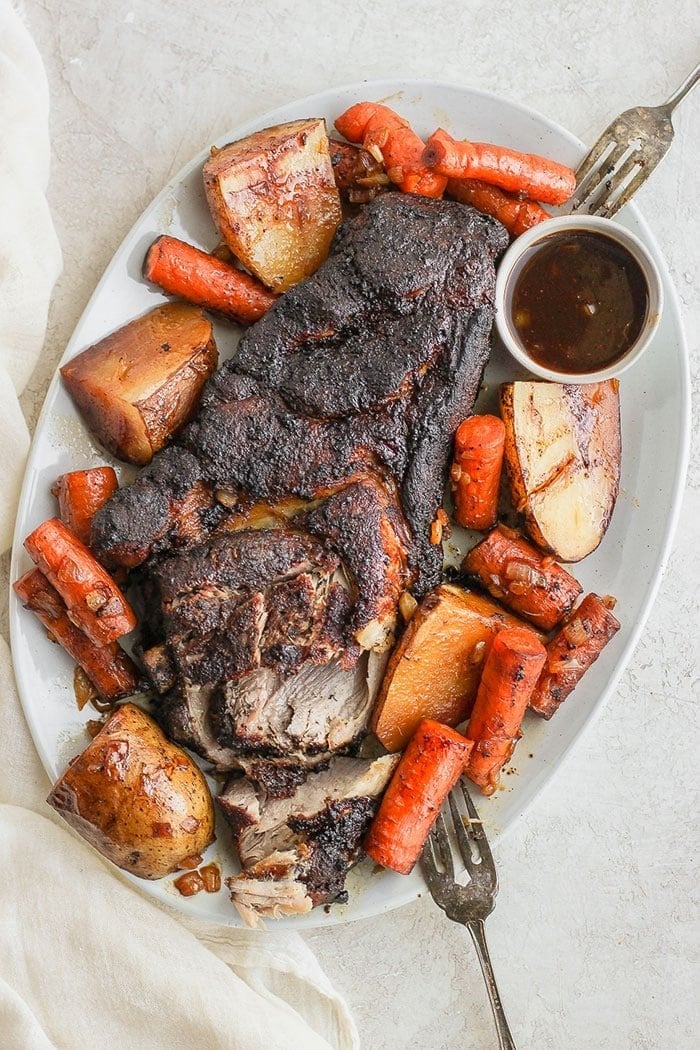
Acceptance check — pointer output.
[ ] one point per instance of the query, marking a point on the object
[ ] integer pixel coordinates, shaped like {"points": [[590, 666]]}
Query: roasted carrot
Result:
{"points": [[391, 139], [476, 471], [522, 578], [429, 768], [183, 270], [511, 670], [515, 214], [108, 667], [93, 601], [537, 177], [80, 495], [572, 650]]}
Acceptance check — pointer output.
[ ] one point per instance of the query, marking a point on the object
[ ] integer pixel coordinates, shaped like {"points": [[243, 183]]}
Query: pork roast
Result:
{"points": [[274, 537]]}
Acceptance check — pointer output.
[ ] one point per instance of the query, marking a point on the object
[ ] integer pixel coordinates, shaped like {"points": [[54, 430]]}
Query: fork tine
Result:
{"points": [[585, 191], [591, 160], [461, 833], [441, 844], [428, 858], [475, 829], [608, 210]]}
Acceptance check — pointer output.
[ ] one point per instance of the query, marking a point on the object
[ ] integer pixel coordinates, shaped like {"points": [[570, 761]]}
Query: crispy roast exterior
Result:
{"points": [[368, 365]]}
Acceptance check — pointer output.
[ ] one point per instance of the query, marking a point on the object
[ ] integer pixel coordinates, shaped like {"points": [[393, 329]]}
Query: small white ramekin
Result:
{"points": [[511, 265]]}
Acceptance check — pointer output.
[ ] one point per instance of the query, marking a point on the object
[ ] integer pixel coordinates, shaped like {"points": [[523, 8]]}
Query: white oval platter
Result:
{"points": [[629, 563]]}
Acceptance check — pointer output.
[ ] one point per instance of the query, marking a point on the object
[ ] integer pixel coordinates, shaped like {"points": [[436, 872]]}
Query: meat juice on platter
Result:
{"points": [[289, 521]]}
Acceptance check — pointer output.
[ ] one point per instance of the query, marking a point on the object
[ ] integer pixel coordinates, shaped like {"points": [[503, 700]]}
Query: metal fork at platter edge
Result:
{"points": [[625, 155], [468, 904]]}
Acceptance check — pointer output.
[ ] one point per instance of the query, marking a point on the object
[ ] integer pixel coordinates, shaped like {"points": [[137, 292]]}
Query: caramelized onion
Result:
{"points": [[211, 877], [93, 726], [575, 633], [189, 883], [407, 605], [524, 573], [83, 688]]}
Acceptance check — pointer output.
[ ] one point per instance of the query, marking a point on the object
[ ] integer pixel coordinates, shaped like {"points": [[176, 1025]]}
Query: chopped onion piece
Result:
{"points": [[575, 632], [407, 605]]}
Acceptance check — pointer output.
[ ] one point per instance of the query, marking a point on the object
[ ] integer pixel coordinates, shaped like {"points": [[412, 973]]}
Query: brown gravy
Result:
{"points": [[579, 302]]}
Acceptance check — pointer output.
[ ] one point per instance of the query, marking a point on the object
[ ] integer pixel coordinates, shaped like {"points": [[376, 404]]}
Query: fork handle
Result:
{"points": [[689, 83], [505, 1039]]}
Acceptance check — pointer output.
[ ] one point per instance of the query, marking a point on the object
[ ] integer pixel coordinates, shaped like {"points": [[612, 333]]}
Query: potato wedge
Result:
{"points": [[433, 672], [562, 456], [137, 798], [139, 385], [274, 200]]}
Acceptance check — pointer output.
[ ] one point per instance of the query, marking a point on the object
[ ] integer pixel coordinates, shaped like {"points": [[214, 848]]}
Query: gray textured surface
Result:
{"points": [[593, 936]]}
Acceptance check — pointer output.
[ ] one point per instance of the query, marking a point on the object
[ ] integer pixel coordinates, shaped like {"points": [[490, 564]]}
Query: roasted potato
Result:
{"points": [[139, 385], [137, 798], [562, 459], [274, 200], [434, 669]]}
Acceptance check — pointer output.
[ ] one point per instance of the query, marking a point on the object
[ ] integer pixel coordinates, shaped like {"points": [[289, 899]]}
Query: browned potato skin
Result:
{"points": [[137, 798], [434, 670], [139, 385], [274, 200], [568, 510]]}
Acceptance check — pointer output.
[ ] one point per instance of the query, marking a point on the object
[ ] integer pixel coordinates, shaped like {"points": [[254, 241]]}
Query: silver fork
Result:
{"points": [[626, 154], [470, 904]]}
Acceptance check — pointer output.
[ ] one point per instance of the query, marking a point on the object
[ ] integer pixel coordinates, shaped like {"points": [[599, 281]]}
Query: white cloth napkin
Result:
{"points": [[85, 960]]}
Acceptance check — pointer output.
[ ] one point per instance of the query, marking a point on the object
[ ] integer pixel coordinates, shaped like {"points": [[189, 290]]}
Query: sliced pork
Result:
{"points": [[296, 851]]}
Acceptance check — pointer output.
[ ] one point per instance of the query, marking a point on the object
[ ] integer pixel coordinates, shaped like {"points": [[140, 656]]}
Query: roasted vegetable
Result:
{"points": [[511, 670], [183, 270], [563, 461], [476, 471], [433, 671], [391, 140], [537, 177], [136, 797], [274, 200], [108, 667], [139, 385], [526, 581], [429, 768], [516, 215], [572, 650], [93, 601], [80, 495]]}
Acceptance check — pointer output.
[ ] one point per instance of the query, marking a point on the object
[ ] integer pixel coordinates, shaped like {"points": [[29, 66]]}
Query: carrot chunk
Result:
{"points": [[108, 667], [183, 270], [572, 650], [522, 578], [391, 139], [537, 177], [80, 495], [510, 672], [476, 471], [93, 601], [515, 214], [429, 768]]}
